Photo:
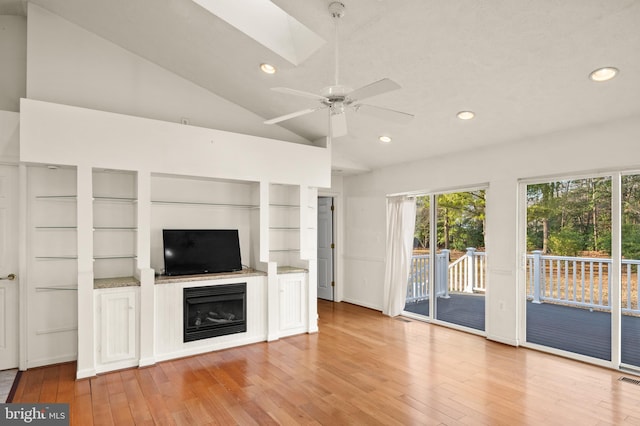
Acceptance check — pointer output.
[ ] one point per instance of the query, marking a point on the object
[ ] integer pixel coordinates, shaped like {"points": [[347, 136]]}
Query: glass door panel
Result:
{"points": [[460, 259], [568, 262], [418, 290], [630, 235]]}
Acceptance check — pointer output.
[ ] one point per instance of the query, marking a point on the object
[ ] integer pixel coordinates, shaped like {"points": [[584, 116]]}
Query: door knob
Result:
{"points": [[9, 277]]}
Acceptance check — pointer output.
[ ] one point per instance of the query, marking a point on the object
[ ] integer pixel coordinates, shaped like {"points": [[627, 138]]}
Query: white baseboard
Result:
{"points": [[510, 342], [146, 362], [363, 304], [86, 373]]}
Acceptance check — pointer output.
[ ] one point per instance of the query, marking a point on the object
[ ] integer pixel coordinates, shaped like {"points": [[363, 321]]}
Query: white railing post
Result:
{"points": [[537, 264], [442, 274], [470, 270]]}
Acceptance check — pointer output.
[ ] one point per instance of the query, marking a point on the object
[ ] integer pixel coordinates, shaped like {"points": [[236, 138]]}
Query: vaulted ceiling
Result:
{"points": [[521, 66]]}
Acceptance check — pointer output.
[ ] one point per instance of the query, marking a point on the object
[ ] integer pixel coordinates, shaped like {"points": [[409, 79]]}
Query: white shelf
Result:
{"points": [[57, 197], [285, 206], [115, 199], [69, 257], [115, 228], [115, 256], [205, 204], [57, 288], [58, 228]]}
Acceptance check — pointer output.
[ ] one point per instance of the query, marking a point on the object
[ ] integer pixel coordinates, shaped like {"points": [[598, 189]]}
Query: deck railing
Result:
{"points": [[466, 275], [574, 281], [580, 281]]}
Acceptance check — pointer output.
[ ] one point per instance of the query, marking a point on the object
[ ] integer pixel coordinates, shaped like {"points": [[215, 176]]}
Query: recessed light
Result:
{"points": [[385, 139], [466, 115], [268, 68], [603, 74]]}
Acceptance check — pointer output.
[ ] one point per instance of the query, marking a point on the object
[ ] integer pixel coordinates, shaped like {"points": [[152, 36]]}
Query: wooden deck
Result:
{"points": [[566, 328], [362, 368]]}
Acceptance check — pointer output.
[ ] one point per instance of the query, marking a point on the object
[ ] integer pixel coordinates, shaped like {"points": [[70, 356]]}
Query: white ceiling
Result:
{"points": [[522, 66]]}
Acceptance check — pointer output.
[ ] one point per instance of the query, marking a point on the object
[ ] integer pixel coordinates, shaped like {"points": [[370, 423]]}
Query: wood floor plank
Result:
{"points": [[361, 368]]}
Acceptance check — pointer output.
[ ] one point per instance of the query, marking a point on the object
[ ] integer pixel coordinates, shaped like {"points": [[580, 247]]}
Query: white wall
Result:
{"points": [[9, 136], [59, 134], [595, 148], [13, 61], [69, 65]]}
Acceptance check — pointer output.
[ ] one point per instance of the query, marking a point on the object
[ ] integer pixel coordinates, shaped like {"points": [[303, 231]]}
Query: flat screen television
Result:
{"points": [[201, 251]]}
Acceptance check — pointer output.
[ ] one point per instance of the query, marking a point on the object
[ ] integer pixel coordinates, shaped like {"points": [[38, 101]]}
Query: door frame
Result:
{"points": [[616, 256], [13, 222], [338, 232], [333, 254]]}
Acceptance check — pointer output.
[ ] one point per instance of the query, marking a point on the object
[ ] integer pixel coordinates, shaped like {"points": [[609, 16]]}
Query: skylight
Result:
{"points": [[269, 25]]}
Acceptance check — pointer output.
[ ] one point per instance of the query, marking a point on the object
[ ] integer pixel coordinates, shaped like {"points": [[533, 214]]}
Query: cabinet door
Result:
{"points": [[118, 326], [292, 302]]}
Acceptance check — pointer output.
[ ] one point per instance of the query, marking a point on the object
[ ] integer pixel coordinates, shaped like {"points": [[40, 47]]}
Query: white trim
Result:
{"points": [[510, 342], [85, 374], [445, 190], [453, 326], [363, 304], [616, 268], [575, 175], [570, 355]]}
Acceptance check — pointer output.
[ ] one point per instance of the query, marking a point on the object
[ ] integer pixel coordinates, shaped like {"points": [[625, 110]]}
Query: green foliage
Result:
{"points": [[631, 241], [460, 217], [567, 217], [566, 242]]}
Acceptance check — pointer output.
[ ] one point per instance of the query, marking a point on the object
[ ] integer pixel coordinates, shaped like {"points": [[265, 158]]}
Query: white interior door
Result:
{"points": [[325, 251], [8, 267]]}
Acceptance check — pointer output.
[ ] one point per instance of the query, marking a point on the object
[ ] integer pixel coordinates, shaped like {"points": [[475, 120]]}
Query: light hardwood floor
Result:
{"points": [[361, 368]]}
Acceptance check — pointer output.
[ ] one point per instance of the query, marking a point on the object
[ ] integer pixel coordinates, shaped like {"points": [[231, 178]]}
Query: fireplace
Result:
{"points": [[215, 310]]}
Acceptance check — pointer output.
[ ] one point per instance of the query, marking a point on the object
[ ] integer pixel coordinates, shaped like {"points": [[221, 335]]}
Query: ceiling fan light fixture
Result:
{"points": [[466, 115], [267, 68], [603, 74], [385, 139]]}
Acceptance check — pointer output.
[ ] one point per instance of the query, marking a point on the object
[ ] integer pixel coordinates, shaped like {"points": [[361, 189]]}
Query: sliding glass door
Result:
{"points": [[569, 266], [418, 288], [460, 283], [629, 265], [448, 284]]}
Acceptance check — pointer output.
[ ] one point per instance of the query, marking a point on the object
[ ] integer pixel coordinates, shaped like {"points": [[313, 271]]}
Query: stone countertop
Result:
{"points": [[164, 279], [290, 270], [115, 282]]}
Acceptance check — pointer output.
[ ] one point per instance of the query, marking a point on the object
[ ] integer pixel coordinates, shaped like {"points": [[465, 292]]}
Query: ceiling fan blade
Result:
{"points": [[291, 115], [338, 124], [298, 93], [374, 89], [385, 113]]}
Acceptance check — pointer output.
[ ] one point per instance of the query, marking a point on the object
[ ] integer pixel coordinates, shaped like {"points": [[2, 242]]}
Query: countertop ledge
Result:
{"points": [[164, 279], [116, 282], [290, 270]]}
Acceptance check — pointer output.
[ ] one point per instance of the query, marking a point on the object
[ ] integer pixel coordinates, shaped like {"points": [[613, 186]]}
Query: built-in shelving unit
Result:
{"points": [[179, 202], [114, 223], [52, 282], [284, 224]]}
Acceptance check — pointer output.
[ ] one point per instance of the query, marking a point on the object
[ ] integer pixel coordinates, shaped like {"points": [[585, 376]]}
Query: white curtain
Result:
{"points": [[401, 221]]}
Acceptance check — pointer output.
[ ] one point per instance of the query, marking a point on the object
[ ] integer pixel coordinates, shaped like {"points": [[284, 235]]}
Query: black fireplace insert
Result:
{"points": [[215, 310]]}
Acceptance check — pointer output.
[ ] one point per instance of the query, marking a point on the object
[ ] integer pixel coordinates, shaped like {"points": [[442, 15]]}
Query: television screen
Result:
{"points": [[201, 251]]}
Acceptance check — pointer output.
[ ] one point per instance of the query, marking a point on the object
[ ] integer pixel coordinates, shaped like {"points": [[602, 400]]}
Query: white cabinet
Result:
{"points": [[293, 303], [116, 328]]}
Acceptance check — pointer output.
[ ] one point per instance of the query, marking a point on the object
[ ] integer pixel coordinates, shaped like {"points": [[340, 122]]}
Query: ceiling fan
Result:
{"points": [[338, 98]]}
